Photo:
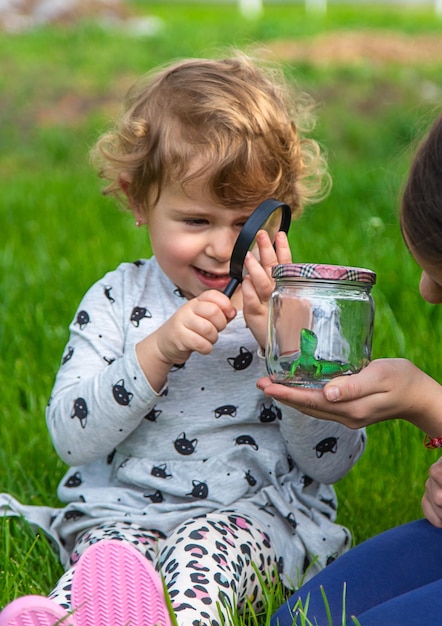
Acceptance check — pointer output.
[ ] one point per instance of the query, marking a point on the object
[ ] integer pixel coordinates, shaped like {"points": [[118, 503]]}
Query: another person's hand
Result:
{"points": [[385, 389], [258, 284], [432, 499]]}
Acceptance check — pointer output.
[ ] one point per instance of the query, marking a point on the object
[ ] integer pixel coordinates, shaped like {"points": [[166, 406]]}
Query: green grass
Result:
{"points": [[58, 89]]}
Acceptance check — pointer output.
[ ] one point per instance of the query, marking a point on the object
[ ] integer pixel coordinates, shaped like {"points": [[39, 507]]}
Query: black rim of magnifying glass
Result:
{"points": [[248, 233]]}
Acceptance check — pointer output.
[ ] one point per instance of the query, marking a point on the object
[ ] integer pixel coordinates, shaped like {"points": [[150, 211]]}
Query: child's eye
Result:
{"points": [[239, 225], [195, 221]]}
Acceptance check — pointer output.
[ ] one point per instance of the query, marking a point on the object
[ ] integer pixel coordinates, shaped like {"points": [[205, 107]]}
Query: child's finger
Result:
{"points": [[260, 277], [283, 252], [267, 254], [221, 301]]}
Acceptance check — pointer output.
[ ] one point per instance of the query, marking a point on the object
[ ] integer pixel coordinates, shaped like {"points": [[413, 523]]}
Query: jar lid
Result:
{"points": [[318, 271]]}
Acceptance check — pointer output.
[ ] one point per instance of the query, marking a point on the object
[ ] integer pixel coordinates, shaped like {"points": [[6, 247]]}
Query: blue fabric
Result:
{"points": [[392, 579]]}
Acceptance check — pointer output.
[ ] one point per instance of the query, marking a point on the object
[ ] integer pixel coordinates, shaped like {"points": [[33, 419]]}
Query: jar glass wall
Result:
{"points": [[320, 325]]}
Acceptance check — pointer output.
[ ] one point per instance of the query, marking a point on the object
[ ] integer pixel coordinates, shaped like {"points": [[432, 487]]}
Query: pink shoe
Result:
{"points": [[35, 611], [115, 585]]}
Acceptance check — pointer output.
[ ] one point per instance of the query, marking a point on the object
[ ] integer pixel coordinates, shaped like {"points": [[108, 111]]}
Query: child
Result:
{"points": [[174, 454], [396, 577]]}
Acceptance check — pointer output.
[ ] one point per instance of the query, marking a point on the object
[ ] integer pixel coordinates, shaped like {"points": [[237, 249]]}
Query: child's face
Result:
{"points": [[192, 238]]}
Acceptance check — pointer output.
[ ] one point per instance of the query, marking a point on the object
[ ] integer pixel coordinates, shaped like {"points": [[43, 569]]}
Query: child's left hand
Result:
{"points": [[258, 284]]}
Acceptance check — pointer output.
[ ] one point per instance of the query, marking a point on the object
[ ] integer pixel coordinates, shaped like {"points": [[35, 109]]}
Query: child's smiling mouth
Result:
{"points": [[212, 280]]}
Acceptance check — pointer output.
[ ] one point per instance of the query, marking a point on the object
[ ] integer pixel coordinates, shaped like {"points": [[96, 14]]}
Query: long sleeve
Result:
{"points": [[100, 383], [324, 450]]}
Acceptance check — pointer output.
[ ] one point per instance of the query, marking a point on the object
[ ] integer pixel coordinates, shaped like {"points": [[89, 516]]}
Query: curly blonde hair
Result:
{"points": [[233, 123]]}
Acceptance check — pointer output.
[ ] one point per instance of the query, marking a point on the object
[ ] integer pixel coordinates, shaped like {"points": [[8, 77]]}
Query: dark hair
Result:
{"points": [[421, 210]]}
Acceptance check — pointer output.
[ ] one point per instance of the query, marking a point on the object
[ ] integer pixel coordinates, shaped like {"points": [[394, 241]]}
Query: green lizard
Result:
{"points": [[308, 364]]}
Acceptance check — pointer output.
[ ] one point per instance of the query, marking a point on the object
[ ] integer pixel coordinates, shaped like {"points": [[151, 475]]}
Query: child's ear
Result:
{"points": [[125, 184]]}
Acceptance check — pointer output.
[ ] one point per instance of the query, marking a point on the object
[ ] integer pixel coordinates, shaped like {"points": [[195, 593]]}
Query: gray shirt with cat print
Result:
{"points": [[209, 441]]}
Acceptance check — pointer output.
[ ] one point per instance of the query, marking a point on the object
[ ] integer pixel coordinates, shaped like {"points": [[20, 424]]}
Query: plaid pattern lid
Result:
{"points": [[318, 271]]}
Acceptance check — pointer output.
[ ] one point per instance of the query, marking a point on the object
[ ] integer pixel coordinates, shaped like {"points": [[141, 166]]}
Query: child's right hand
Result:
{"points": [[193, 328]]}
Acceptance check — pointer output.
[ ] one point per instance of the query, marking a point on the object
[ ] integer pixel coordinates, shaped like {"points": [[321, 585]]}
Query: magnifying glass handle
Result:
{"points": [[231, 287]]}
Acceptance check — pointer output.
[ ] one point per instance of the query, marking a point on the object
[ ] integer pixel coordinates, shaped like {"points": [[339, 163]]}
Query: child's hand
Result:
{"points": [[258, 284], [432, 499], [193, 328]]}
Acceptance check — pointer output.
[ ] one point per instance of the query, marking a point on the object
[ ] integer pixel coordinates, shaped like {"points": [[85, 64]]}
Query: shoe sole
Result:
{"points": [[115, 585], [35, 611]]}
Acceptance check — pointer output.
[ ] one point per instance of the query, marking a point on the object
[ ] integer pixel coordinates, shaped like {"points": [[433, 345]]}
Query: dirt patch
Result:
{"points": [[361, 47], [334, 48], [346, 48]]}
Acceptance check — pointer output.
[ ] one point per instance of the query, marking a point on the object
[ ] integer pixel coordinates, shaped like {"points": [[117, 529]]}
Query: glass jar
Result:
{"points": [[320, 323]]}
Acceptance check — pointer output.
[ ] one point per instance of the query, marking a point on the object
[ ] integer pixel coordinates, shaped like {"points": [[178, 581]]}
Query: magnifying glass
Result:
{"points": [[272, 216]]}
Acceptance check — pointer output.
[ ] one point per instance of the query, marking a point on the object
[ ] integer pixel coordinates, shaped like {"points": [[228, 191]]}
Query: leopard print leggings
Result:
{"points": [[209, 564]]}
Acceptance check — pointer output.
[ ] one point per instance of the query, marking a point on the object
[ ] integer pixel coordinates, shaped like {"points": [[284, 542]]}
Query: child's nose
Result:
{"points": [[221, 244]]}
